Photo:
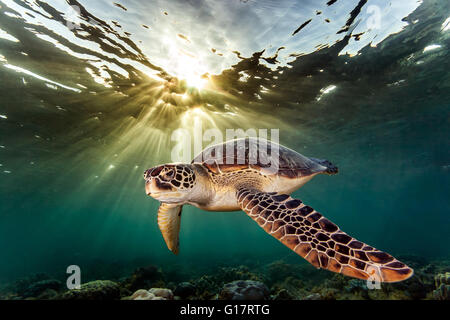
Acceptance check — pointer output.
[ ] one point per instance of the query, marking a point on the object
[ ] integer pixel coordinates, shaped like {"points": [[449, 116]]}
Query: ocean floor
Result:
{"points": [[274, 281]]}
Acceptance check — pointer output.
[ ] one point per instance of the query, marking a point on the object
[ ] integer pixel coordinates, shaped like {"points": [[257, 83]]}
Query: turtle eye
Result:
{"points": [[168, 175]]}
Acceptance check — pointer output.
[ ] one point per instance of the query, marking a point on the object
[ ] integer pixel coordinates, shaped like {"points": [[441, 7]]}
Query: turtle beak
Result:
{"points": [[151, 189]]}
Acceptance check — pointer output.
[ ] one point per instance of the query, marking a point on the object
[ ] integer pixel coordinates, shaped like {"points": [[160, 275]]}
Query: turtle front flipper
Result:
{"points": [[318, 240], [169, 218]]}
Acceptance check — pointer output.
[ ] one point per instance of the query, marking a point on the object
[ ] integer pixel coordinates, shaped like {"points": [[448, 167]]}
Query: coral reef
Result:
{"points": [[442, 291], [152, 294], [162, 292], [282, 294], [185, 290], [208, 286], [275, 281], [94, 290], [44, 286], [146, 277], [244, 290], [37, 286], [314, 296], [142, 295]]}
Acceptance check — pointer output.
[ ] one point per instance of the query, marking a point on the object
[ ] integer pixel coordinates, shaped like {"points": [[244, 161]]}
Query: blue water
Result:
{"points": [[75, 142]]}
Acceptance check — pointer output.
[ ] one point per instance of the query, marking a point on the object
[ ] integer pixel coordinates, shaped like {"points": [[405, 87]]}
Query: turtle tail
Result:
{"points": [[331, 168]]}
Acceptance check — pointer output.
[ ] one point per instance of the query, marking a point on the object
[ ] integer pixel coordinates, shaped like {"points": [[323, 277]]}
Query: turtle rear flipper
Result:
{"points": [[318, 240], [169, 219]]}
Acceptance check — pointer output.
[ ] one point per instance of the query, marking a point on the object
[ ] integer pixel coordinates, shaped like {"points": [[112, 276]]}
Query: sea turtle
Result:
{"points": [[228, 177]]}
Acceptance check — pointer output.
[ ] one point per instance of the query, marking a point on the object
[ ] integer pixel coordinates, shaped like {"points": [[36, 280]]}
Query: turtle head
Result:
{"points": [[170, 183]]}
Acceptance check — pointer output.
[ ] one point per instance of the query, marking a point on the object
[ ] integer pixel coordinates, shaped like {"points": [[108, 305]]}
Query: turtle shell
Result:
{"points": [[260, 154]]}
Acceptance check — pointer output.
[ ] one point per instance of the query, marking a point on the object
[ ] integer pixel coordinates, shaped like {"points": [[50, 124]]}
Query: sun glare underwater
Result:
{"points": [[94, 93]]}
